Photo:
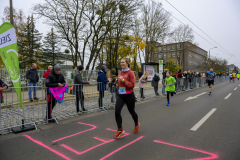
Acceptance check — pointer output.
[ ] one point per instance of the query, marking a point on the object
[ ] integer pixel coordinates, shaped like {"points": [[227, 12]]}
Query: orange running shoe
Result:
{"points": [[118, 134], [136, 129]]}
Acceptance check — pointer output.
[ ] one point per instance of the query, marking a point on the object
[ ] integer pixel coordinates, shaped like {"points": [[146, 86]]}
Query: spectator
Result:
{"points": [[163, 82], [141, 82], [185, 80], [101, 84], [74, 71], [55, 79], [78, 80], [179, 78], [140, 73], [113, 89], [155, 82], [47, 72], [3, 86], [33, 78]]}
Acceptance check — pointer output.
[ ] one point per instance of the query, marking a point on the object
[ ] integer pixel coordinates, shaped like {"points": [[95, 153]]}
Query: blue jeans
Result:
{"points": [[32, 86]]}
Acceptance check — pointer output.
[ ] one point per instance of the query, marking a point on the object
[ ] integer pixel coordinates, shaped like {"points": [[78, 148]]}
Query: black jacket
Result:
{"points": [[53, 79], [2, 84], [79, 80], [32, 75], [164, 75]]}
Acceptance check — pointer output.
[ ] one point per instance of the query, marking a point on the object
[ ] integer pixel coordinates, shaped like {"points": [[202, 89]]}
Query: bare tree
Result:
{"points": [[156, 26], [67, 17], [182, 35]]}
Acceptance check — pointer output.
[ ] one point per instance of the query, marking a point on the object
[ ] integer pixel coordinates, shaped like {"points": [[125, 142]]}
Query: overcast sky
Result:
{"points": [[220, 19]]}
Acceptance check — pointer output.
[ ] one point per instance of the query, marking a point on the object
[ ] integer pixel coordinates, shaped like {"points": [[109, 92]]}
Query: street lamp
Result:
{"points": [[209, 51]]}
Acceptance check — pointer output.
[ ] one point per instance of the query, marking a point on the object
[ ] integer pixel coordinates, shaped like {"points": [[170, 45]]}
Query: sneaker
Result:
{"points": [[30, 99], [84, 110], [157, 94], [168, 104], [51, 121], [209, 93], [35, 98], [118, 134], [175, 92], [136, 129]]}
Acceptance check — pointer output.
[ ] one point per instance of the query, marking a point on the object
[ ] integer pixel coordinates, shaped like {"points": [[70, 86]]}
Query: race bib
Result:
{"points": [[122, 90]]}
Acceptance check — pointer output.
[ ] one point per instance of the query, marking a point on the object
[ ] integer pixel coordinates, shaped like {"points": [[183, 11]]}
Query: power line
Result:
{"points": [[196, 25], [229, 54]]}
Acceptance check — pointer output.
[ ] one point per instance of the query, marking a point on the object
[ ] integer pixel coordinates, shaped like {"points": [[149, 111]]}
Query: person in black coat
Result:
{"points": [[78, 80], [3, 86], [155, 82], [54, 79]]}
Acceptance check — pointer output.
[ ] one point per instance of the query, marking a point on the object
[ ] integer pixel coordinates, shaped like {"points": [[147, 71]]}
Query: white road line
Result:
{"points": [[228, 96], [196, 126], [235, 89]]}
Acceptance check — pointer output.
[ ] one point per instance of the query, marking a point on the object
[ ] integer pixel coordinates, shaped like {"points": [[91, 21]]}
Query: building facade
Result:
{"points": [[186, 54]]}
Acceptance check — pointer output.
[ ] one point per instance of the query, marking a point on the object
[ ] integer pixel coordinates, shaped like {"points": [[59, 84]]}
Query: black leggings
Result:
{"points": [[168, 95], [129, 99], [79, 96]]}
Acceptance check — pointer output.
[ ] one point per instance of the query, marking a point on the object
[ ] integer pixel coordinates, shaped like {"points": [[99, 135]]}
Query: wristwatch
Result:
{"points": [[122, 80]]}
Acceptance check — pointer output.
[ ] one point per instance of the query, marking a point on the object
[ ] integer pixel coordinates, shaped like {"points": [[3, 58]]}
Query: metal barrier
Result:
{"points": [[95, 96]]}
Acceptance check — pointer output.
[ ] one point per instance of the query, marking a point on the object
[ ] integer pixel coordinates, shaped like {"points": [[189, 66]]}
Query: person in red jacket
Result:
{"points": [[126, 83], [47, 72]]}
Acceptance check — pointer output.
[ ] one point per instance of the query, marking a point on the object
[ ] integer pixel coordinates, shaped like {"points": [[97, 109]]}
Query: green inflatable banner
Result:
{"points": [[9, 54]]}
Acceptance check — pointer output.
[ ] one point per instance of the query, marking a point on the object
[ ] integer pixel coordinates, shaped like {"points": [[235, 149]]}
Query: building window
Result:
{"points": [[169, 55], [173, 47], [164, 48], [178, 46], [173, 54], [164, 55], [159, 55], [159, 48], [149, 55], [178, 54], [169, 47], [155, 56]]}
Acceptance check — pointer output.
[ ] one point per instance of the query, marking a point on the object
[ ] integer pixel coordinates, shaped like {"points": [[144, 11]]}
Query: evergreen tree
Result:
{"points": [[29, 44], [51, 54]]}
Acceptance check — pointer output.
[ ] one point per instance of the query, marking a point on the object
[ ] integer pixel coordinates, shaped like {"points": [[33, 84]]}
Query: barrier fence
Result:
{"points": [[35, 112]]}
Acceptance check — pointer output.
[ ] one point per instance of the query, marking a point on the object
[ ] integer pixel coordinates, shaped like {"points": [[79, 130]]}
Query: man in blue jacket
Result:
{"points": [[101, 84]]}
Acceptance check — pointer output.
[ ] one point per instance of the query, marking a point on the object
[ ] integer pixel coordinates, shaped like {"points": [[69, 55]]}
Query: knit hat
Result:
{"points": [[80, 67], [113, 71], [57, 68], [103, 68]]}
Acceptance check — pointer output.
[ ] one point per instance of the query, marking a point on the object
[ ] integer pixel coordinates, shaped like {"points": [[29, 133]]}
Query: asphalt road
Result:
{"points": [[199, 128]]}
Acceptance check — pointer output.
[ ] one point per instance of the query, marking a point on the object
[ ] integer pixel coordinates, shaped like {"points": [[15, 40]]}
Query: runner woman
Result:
{"points": [[126, 83], [170, 86], [210, 79]]}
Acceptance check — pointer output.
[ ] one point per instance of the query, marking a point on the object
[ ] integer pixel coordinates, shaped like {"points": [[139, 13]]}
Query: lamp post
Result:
{"points": [[209, 57], [209, 51], [11, 12]]}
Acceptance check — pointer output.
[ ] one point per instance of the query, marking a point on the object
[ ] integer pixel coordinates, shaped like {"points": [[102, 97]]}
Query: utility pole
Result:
{"points": [[11, 13]]}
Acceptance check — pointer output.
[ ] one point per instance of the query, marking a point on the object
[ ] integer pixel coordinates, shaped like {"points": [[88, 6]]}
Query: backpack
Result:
{"points": [[71, 76]]}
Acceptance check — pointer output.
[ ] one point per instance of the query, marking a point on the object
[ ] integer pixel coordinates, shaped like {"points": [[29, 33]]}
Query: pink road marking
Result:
{"points": [[121, 148], [87, 150], [213, 156], [103, 140], [50, 149], [78, 132]]}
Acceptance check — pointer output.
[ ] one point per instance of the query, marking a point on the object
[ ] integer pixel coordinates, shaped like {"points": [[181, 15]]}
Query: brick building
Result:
{"points": [[186, 54]]}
